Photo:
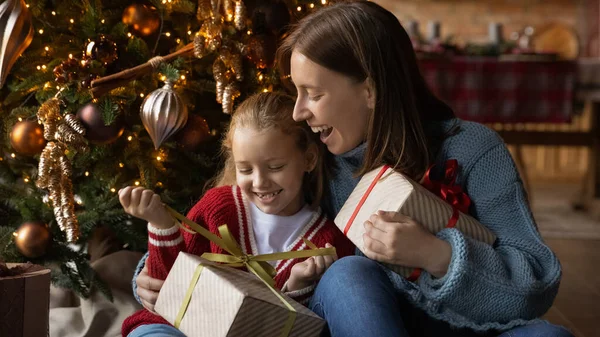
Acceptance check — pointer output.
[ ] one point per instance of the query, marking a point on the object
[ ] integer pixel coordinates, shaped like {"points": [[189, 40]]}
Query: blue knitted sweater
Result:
{"points": [[486, 288]]}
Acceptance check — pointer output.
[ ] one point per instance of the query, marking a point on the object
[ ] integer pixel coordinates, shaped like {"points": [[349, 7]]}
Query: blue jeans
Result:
{"points": [[356, 298], [155, 330]]}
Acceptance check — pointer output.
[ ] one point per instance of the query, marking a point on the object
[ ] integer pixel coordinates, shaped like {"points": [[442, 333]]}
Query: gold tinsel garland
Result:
{"points": [[54, 170]]}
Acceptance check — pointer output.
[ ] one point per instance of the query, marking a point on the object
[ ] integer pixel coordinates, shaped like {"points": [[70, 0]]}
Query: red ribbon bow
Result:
{"points": [[447, 189]]}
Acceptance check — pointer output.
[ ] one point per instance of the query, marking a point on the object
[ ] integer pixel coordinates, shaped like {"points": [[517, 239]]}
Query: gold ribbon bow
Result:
{"points": [[257, 264]]}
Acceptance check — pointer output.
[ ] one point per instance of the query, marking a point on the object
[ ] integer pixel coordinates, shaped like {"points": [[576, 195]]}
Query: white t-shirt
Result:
{"points": [[274, 233]]}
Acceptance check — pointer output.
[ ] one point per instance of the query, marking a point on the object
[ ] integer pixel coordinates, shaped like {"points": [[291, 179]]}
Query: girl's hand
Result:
{"points": [[309, 271], [146, 205], [393, 238]]}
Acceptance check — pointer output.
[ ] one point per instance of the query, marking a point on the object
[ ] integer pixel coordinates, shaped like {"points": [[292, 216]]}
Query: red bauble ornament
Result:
{"points": [[194, 133]]}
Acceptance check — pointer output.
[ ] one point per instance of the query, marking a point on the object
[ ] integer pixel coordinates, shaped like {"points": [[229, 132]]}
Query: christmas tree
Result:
{"points": [[98, 95]]}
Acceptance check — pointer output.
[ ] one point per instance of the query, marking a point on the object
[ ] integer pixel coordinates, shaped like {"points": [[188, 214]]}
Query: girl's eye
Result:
{"points": [[244, 171], [276, 168]]}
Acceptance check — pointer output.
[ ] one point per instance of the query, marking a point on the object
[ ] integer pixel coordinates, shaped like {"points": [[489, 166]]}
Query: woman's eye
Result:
{"points": [[315, 98]]}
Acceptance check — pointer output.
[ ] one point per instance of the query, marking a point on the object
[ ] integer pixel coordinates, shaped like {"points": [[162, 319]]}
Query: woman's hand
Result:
{"points": [[146, 205], [394, 238], [309, 271], [147, 289]]}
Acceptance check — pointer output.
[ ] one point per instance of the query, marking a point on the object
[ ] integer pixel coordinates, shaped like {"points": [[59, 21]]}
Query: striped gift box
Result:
{"points": [[229, 302], [395, 192]]}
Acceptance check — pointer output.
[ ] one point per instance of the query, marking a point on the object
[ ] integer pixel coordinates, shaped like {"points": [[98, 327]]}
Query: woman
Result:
{"points": [[358, 84]]}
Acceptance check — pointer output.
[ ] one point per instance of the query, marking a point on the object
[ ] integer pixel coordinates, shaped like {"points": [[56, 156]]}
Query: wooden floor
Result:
{"points": [[574, 238], [577, 305]]}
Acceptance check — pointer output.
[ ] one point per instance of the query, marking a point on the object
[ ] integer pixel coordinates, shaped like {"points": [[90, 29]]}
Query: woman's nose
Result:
{"points": [[301, 113]]}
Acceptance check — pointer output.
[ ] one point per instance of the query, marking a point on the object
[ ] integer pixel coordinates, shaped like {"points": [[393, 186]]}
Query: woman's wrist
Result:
{"points": [[439, 257]]}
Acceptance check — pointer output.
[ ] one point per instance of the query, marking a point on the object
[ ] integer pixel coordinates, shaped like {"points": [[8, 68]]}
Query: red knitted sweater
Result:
{"points": [[227, 205]]}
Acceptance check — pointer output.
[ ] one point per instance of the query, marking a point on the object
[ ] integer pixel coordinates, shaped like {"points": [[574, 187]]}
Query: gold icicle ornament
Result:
{"points": [[54, 168]]}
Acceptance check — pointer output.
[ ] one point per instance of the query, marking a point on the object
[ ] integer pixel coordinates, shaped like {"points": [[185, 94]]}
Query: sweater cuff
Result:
{"points": [[138, 270], [440, 288], [301, 296], [164, 237]]}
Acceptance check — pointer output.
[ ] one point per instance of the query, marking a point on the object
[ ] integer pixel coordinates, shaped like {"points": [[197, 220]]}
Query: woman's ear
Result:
{"points": [[371, 93], [311, 157]]}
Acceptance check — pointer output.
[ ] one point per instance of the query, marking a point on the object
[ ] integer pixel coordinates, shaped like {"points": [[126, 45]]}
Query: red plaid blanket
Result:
{"points": [[488, 90]]}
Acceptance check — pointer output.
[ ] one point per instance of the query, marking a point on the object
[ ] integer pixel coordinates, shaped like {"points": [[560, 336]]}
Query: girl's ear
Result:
{"points": [[311, 157], [371, 93]]}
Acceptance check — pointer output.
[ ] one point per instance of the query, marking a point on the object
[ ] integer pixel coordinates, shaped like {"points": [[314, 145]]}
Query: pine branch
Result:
{"points": [[110, 110]]}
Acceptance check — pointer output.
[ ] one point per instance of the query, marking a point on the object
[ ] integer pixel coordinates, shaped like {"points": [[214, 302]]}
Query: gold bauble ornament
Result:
{"points": [[16, 33], [143, 19], [27, 138], [32, 239], [163, 113]]}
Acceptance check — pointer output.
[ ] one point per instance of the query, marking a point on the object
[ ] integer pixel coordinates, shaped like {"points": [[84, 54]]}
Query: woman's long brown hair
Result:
{"points": [[364, 41]]}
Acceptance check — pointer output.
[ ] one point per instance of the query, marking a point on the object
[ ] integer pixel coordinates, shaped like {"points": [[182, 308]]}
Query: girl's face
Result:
{"points": [[270, 169], [331, 103]]}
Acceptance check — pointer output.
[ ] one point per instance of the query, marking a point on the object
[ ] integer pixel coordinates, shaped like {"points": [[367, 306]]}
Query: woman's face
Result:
{"points": [[331, 103]]}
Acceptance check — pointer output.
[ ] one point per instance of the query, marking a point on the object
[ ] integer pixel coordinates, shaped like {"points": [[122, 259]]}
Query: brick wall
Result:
{"points": [[468, 20]]}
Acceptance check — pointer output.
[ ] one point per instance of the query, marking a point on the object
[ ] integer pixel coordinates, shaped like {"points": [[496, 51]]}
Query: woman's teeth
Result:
{"points": [[317, 129], [268, 195]]}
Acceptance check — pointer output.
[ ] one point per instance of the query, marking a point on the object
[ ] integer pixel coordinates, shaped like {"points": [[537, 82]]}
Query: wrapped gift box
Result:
{"points": [[24, 300], [229, 302], [395, 192]]}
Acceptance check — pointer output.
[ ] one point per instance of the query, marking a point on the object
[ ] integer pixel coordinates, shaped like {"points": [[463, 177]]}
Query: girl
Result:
{"points": [[279, 168]]}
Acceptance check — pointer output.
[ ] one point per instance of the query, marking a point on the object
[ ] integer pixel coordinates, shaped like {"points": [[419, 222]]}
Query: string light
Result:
{"points": [[1, 159], [183, 77], [113, 189], [178, 40], [44, 67], [158, 158], [39, 68], [324, 2], [87, 174], [164, 1], [47, 48], [121, 165], [102, 21], [163, 78], [189, 32], [41, 31], [27, 5], [130, 138], [13, 155], [299, 9], [265, 90], [53, 13], [159, 184], [70, 56], [72, 21], [312, 5], [137, 183], [57, 87], [168, 34], [249, 32], [26, 180], [141, 95], [47, 85], [128, 34], [20, 119], [260, 77]]}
